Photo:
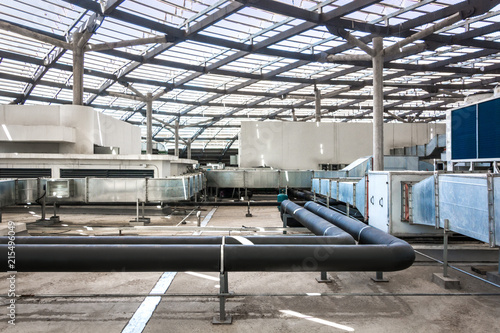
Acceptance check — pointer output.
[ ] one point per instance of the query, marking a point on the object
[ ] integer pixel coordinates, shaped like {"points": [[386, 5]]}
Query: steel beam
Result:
{"points": [[176, 151], [149, 123], [317, 103]]}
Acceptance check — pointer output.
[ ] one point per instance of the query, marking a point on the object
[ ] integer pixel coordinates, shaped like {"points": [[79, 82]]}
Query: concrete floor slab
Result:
{"points": [[262, 302]]}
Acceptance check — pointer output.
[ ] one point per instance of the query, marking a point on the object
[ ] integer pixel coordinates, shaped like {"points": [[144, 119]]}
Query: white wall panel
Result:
{"points": [[299, 145]]}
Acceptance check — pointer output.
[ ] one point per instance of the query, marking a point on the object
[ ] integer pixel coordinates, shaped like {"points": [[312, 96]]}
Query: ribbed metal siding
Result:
{"points": [[463, 133], [488, 129]]}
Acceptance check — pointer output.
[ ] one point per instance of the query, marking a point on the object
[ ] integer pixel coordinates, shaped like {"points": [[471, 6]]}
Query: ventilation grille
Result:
{"points": [[25, 173], [107, 173]]}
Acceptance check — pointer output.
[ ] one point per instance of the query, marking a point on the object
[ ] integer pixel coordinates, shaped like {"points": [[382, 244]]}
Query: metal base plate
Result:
{"points": [[320, 280], [43, 223], [374, 279], [217, 321], [140, 221], [248, 215]]}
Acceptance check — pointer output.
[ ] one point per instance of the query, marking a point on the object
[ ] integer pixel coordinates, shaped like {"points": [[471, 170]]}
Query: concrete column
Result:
{"points": [[294, 117], [317, 100], [149, 123], [189, 148], [176, 152], [378, 105], [77, 73]]}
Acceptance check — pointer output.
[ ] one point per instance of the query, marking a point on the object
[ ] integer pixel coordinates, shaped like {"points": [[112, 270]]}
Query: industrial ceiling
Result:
{"points": [[213, 64]]}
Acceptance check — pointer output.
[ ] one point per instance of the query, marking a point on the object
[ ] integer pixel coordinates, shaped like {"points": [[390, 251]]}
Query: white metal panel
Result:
{"points": [[378, 199], [278, 144]]}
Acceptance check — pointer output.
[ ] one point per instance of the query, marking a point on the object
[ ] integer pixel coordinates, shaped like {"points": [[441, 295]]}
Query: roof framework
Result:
{"points": [[213, 64]]}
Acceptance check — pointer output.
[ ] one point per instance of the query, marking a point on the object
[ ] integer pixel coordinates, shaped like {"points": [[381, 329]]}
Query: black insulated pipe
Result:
{"points": [[200, 258], [313, 222], [383, 253], [158, 240], [404, 255]]}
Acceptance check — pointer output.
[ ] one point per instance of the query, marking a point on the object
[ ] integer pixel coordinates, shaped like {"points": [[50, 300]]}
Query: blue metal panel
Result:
{"points": [[463, 133], [360, 203], [325, 187], [488, 129], [424, 202], [346, 192], [425, 166], [315, 185], [334, 193], [463, 200]]}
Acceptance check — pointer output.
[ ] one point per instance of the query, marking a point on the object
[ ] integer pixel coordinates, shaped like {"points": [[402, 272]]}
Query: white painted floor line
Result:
{"points": [[204, 276], [313, 294], [205, 221], [317, 320], [242, 240], [141, 317]]}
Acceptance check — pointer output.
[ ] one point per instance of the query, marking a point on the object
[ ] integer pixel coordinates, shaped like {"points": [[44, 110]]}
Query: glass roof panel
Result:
{"points": [[235, 62]]}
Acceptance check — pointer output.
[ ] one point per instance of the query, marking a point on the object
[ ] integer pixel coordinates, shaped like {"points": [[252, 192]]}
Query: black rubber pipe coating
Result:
{"points": [[383, 252], [364, 234], [361, 232], [200, 258], [157, 240], [318, 225]]}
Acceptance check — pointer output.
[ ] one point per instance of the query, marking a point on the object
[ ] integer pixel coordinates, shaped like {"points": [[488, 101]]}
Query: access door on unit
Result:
{"points": [[378, 200]]}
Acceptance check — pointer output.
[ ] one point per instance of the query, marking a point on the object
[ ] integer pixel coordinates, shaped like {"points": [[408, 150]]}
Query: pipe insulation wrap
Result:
{"points": [[285, 239], [364, 234], [318, 225], [202, 258], [379, 251]]}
